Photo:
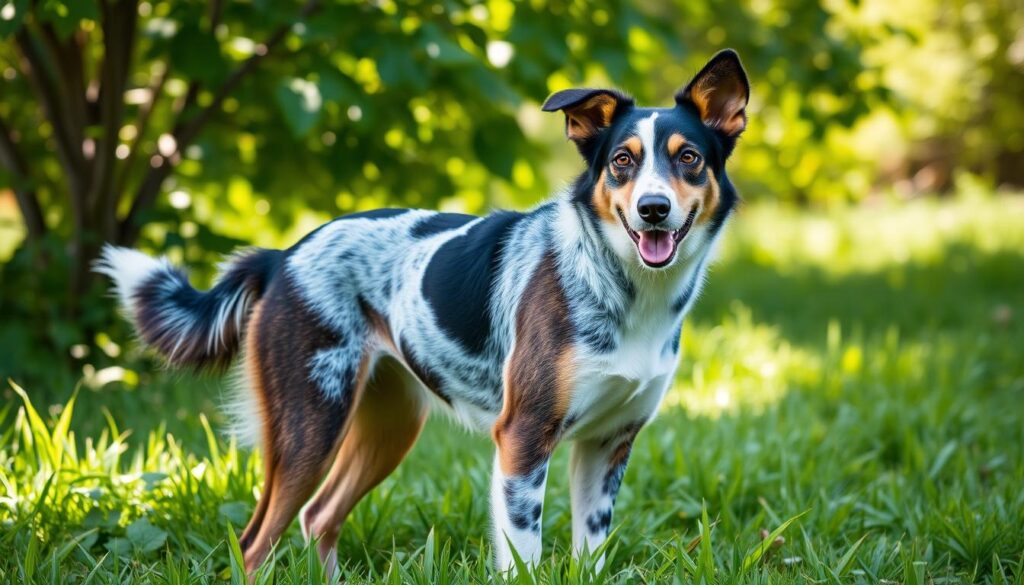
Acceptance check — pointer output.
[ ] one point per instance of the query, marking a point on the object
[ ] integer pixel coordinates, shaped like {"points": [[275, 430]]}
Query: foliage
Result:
{"points": [[185, 121], [887, 409], [190, 127]]}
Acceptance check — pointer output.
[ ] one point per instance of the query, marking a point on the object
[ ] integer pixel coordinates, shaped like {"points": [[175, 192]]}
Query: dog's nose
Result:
{"points": [[654, 208]]}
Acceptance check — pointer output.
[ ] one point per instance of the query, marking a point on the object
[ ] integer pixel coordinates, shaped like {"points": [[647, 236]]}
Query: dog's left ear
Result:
{"points": [[587, 111], [720, 93]]}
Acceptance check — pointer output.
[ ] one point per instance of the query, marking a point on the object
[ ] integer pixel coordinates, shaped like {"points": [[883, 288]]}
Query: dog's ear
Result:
{"points": [[720, 93], [587, 111]]}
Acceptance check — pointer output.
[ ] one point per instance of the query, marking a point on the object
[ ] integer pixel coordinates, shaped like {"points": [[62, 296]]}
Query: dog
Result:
{"points": [[558, 324]]}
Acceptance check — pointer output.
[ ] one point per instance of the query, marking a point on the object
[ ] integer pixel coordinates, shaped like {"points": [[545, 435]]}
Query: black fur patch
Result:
{"points": [[424, 373], [684, 297], [458, 281], [613, 479], [599, 522], [524, 511], [673, 344], [440, 222], [600, 339]]}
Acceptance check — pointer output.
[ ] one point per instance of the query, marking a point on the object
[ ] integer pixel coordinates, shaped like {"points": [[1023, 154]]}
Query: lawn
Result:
{"points": [[854, 377]]}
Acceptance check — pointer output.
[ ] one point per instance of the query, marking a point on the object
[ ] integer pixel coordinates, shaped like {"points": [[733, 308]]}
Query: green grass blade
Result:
{"points": [[758, 551], [237, 562], [523, 574], [845, 563], [706, 559]]}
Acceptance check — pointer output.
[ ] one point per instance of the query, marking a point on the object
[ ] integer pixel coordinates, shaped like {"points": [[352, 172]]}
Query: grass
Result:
{"points": [[848, 410]]}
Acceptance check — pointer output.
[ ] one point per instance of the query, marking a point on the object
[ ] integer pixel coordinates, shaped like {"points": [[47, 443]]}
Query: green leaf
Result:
{"points": [[66, 15], [300, 101], [397, 67], [119, 547], [235, 512], [196, 54], [495, 142], [443, 50], [144, 536], [14, 17], [337, 87]]}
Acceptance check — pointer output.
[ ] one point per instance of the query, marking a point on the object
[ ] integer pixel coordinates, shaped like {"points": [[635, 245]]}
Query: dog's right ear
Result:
{"points": [[587, 111]]}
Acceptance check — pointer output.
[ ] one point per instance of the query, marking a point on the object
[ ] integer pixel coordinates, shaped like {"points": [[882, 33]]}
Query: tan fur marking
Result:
{"points": [[253, 369], [539, 376], [721, 103], [565, 377], [621, 198], [701, 96], [291, 488], [254, 374], [676, 142], [603, 199], [584, 120], [384, 428], [712, 196], [621, 452], [634, 146], [380, 326]]}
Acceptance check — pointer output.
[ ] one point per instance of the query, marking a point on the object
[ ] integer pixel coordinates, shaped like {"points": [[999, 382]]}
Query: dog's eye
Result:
{"points": [[622, 159], [689, 157]]}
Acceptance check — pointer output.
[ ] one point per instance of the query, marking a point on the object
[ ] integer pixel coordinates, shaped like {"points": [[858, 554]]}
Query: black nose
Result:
{"points": [[654, 208]]}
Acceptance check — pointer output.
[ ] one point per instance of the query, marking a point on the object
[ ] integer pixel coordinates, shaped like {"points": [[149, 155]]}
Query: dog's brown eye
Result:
{"points": [[622, 159], [689, 157]]}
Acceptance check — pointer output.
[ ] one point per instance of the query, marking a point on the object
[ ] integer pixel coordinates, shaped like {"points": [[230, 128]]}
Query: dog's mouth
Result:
{"points": [[658, 247]]}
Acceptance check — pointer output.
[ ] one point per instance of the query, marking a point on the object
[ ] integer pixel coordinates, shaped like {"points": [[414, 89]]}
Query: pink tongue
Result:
{"points": [[655, 246]]}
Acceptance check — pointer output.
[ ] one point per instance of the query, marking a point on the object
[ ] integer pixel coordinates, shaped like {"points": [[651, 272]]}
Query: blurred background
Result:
{"points": [[886, 145]]}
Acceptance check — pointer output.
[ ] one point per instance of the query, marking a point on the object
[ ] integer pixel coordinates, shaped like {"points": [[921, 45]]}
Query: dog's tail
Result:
{"points": [[188, 327]]}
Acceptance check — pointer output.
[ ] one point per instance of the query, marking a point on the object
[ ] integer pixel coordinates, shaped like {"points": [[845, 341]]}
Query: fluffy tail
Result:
{"points": [[188, 327]]}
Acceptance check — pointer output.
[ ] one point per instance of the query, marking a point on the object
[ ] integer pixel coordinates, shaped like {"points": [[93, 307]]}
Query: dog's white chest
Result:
{"points": [[624, 386]]}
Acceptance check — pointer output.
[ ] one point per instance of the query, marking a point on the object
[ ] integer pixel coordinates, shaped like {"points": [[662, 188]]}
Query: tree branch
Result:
{"points": [[185, 133], [67, 56], [69, 152], [156, 90], [28, 202], [119, 24], [216, 11]]}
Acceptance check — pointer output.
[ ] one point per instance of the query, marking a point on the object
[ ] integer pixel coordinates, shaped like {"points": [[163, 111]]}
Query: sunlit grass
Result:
{"points": [[800, 299], [861, 366]]}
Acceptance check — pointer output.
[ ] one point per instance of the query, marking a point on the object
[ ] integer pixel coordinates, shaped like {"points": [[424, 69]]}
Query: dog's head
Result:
{"points": [[657, 175]]}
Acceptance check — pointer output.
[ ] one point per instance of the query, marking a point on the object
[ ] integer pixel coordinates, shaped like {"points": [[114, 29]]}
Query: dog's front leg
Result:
{"points": [[539, 377], [596, 467], [517, 500]]}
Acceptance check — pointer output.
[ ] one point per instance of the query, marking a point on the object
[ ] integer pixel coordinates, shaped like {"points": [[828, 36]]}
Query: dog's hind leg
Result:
{"points": [[308, 379], [384, 427]]}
